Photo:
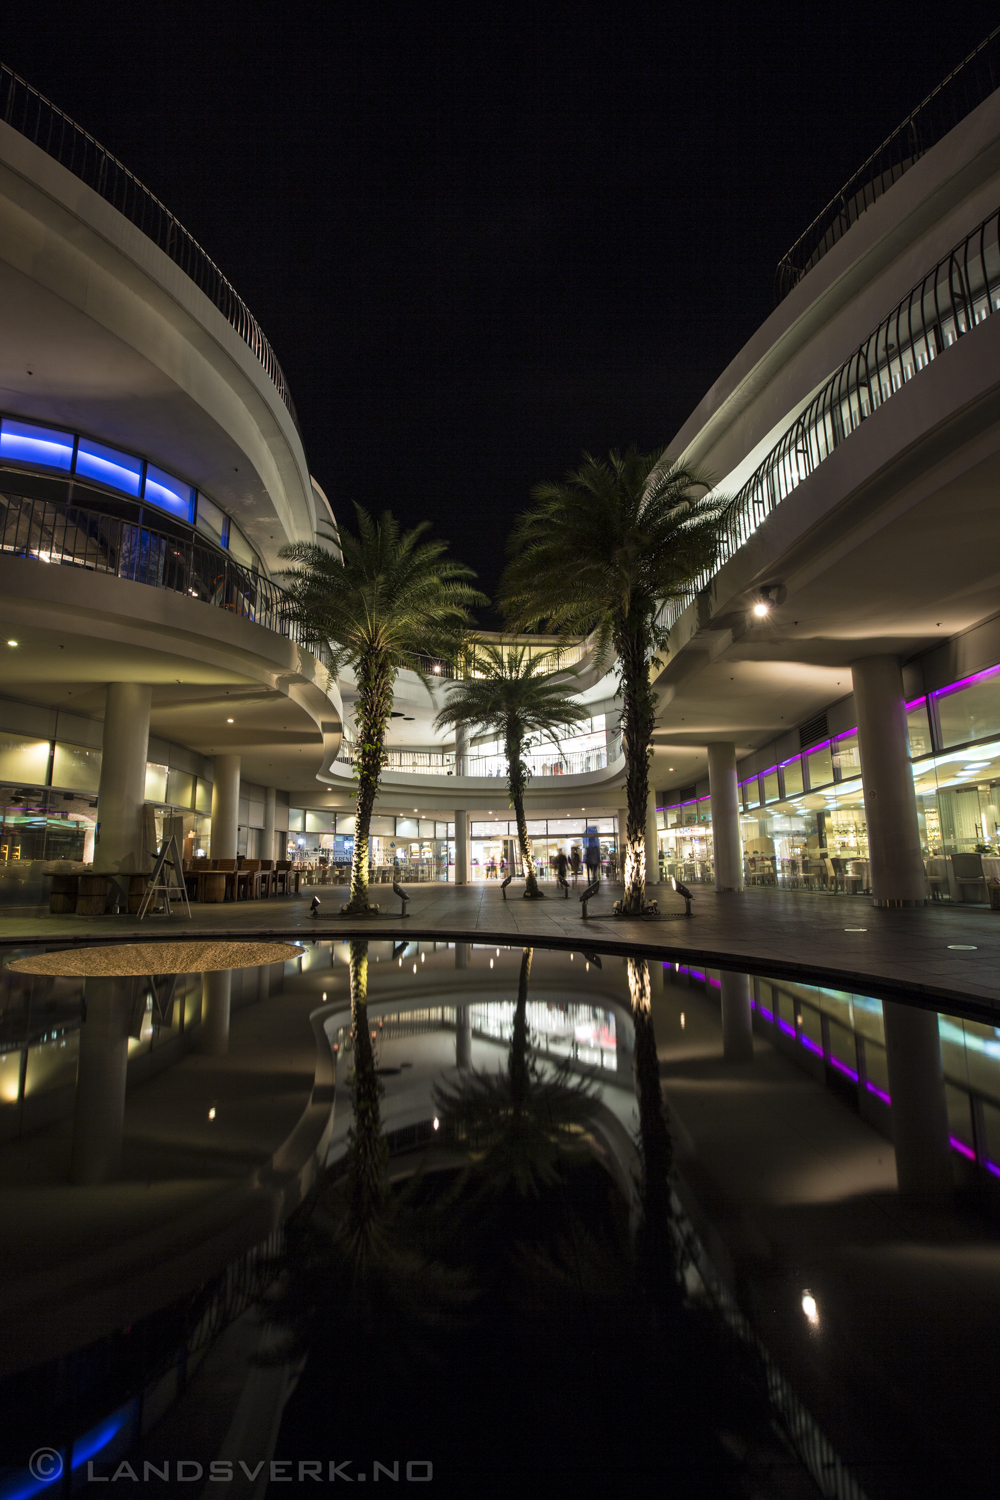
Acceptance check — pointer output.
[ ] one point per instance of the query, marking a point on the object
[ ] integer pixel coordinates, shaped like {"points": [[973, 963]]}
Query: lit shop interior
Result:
{"points": [[803, 819]]}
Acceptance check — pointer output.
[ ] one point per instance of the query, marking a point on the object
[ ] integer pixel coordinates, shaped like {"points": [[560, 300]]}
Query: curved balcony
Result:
{"points": [[43, 123], [487, 767], [975, 78], [67, 535], [961, 291]]}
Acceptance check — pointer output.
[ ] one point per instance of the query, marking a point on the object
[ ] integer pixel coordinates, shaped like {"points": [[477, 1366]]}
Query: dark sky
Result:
{"points": [[482, 239]]}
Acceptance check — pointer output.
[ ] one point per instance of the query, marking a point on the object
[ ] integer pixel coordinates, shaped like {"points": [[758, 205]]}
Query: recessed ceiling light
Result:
{"points": [[12, 643], [229, 721]]}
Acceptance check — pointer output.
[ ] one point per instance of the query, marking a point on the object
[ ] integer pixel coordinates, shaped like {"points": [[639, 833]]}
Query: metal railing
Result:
{"points": [[49, 532], [42, 122], [548, 763], [960, 292], [975, 78]]}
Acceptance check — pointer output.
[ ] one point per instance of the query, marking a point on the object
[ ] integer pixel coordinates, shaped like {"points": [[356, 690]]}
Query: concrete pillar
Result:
{"points": [[737, 1018], [99, 1109], [461, 846], [461, 955], [267, 838], [652, 841], [463, 1037], [216, 993], [726, 843], [225, 807], [122, 794], [461, 751], [890, 801], [919, 1111]]}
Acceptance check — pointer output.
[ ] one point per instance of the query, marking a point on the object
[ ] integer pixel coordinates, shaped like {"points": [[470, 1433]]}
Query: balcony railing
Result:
{"points": [[42, 122], [548, 763], [67, 535], [960, 292], [975, 78]]}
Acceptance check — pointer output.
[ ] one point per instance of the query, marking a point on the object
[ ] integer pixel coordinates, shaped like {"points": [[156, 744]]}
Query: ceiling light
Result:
{"points": [[809, 1308], [229, 721], [764, 604], [12, 643]]}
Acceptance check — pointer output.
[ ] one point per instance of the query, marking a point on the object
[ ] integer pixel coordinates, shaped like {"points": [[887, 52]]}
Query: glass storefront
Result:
{"points": [[802, 820], [494, 850]]}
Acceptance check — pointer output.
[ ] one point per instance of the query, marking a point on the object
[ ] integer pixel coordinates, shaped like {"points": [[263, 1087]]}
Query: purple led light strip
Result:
{"points": [[953, 687], [961, 1148]]}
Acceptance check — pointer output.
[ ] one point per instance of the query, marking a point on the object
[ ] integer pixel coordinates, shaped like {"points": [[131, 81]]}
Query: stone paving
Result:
{"points": [[937, 955]]}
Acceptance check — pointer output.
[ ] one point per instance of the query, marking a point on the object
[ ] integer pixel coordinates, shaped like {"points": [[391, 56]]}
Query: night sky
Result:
{"points": [[484, 239]]}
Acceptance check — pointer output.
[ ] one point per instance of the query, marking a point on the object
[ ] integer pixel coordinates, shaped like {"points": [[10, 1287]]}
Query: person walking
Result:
{"points": [[574, 864], [593, 858], [562, 865]]}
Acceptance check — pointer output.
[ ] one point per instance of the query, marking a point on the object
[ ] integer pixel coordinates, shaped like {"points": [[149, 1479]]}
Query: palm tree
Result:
{"points": [[513, 696], [380, 600], [601, 551]]}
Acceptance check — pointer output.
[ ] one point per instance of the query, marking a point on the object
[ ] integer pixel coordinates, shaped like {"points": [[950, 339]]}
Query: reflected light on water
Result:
{"points": [[810, 1309]]}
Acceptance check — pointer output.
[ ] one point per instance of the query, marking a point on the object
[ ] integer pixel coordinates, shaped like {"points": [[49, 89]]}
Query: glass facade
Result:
{"points": [[803, 822]]}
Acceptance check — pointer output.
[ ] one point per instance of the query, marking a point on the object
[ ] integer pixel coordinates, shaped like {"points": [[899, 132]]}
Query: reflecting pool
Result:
{"points": [[424, 1212]]}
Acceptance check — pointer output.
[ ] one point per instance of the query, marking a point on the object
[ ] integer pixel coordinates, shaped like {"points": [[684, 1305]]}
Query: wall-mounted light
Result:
{"points": [[764, 604]]}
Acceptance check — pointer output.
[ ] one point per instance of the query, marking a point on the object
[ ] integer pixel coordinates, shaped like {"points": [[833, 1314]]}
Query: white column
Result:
{"points": [[919, 1111], [727, 846], [461, 751], [737, 1018], [652, 841], [216, 994], [890, 801], [461, 955], [225, 806], [461, 846], [122, 793], [463, 1037], [99, 1109], [267, 840]]}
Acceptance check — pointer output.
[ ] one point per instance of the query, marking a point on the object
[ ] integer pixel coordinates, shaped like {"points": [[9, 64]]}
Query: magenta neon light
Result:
{"points": [[915, 704], [873, 1088], [953, 687], [767, 1014], [785, 1027], [961, 1148], [991, 1166], [811, 1046], [843, 1068]]}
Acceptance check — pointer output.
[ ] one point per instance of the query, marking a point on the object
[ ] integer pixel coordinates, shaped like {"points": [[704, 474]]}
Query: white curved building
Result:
{"points": [[151, 469]]}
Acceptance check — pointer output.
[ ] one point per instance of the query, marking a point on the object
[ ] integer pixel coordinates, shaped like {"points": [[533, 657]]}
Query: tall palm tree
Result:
{"points": [[515, 697], [601, 551], [380, 599]]}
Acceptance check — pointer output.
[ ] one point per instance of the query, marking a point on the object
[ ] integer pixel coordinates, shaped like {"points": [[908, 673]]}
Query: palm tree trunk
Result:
{"points": [[517, 1062], [368, 1154], [516, 782], [638, 720], [374, 707], [656, 1242]]}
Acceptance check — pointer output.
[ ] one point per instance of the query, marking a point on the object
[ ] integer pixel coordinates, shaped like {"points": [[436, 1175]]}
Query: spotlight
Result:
{"points": [[314, 908], [764, 604]]}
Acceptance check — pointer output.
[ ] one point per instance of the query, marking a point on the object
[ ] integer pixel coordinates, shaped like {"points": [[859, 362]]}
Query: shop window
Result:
{"points": [[24, 759], [156, 782], [383, 826], [427, 828], [203, 796], [969, 710], [792, 774], [319, 822], [820, 766], [212, 521], [704, 810], [409, 828], [847, 756], [240, 548], [918, 729], [74, 766], [296, 820], [345, 823], [769, 785], [751, 793], [167, 493], [119, 471], [180, 788], [23, 443]]}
